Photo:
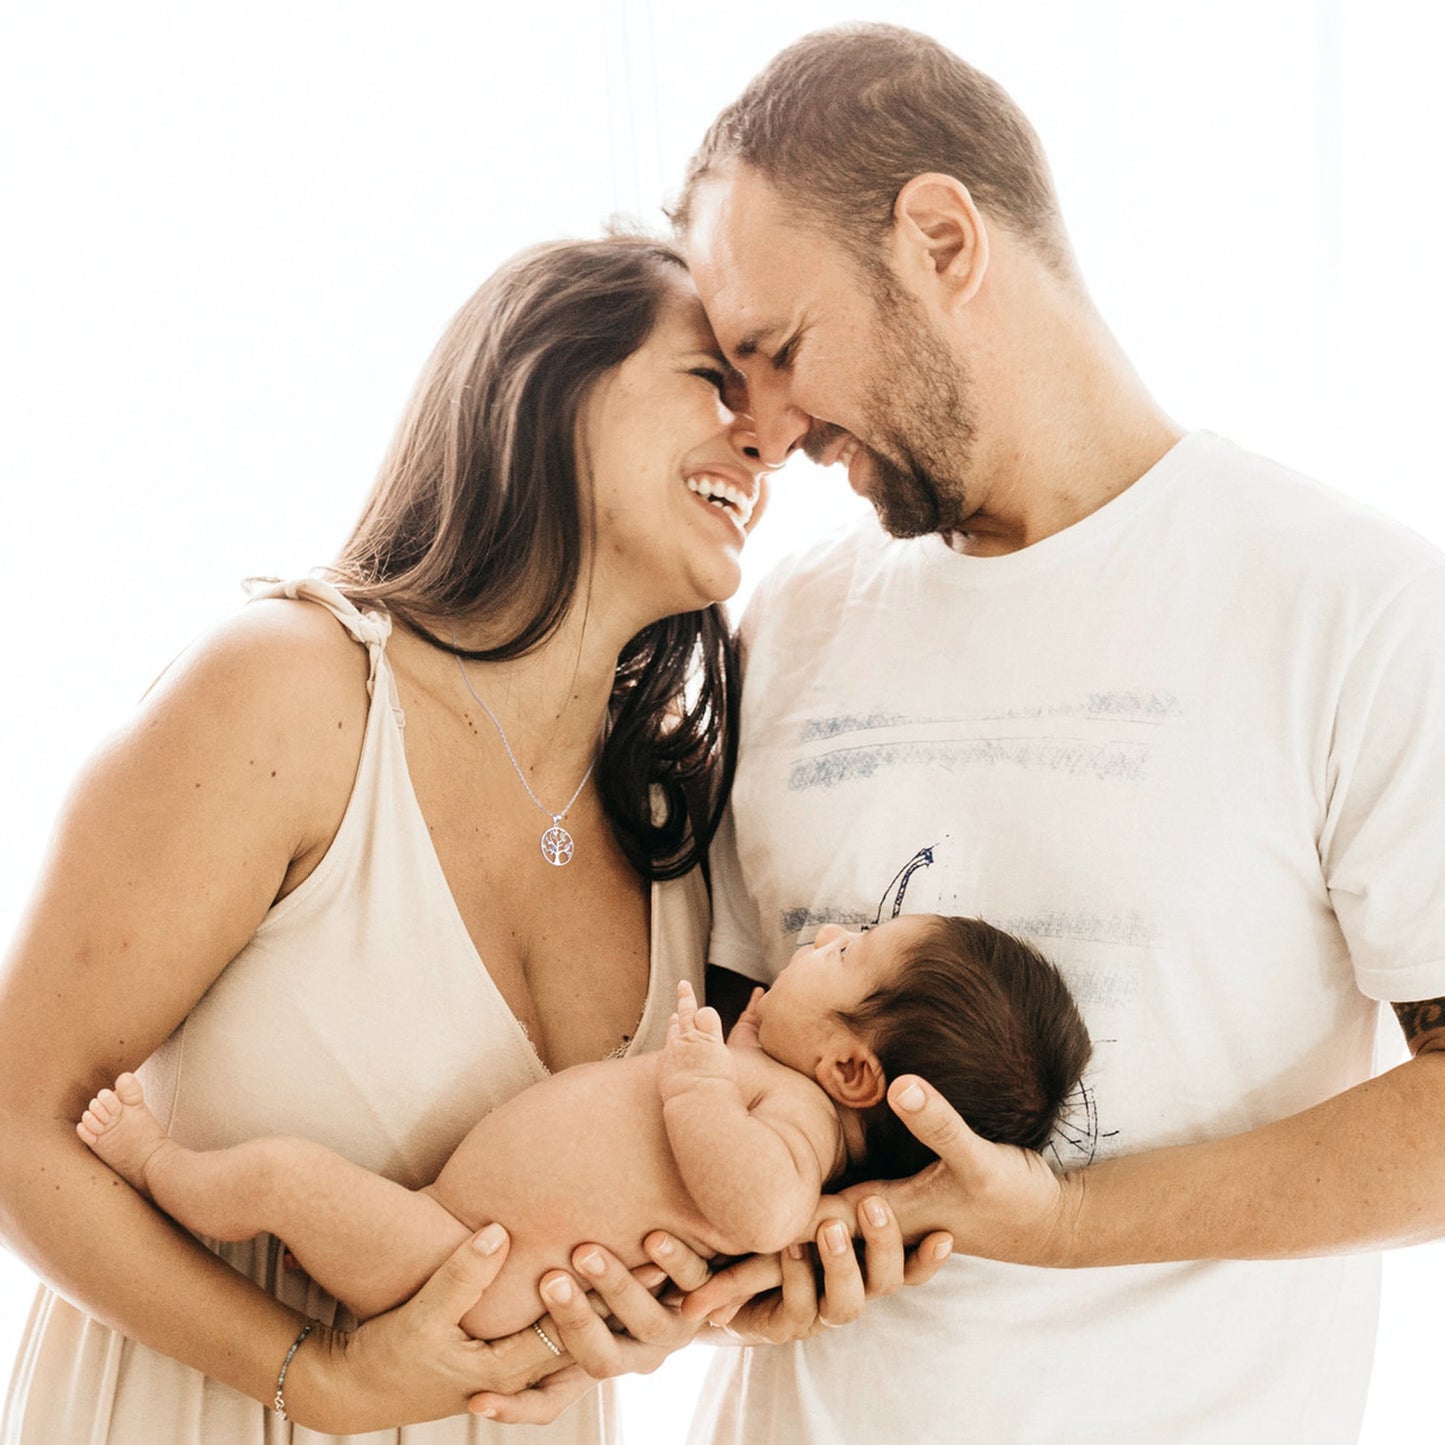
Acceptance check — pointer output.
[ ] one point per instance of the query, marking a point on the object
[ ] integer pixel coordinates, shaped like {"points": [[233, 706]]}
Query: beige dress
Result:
{"points": [[360, 1016]]}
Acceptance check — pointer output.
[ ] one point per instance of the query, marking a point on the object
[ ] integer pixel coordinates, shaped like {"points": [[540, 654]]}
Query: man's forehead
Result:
{"points": [[744, 276]]}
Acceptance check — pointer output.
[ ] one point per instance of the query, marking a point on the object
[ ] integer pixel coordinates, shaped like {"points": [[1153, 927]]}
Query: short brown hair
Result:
{"points": [[989, 1022], [844, 118]]}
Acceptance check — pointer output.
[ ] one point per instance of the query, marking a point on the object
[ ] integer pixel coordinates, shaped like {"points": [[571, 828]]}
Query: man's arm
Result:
{"points": [[1363, 1170], [754, 1176]]}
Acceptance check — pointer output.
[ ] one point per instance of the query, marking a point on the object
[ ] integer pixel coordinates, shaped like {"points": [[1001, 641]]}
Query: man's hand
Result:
{"points": [[999, 1202], [774, 1298]]}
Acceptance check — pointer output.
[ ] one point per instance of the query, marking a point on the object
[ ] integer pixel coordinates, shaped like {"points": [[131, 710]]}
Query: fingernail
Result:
{"points": [[795, 1251], [558, 1290], [911, 1098], [943, 1249], [835, 1237], [489, 1241], [875, 1213], [591, 1263], [664, 1246]]}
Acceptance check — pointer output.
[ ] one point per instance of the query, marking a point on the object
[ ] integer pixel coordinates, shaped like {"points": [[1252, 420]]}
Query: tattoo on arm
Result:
{"points": [[1421, 1021]]}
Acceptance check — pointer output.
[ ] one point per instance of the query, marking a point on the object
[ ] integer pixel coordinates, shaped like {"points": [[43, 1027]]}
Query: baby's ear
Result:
{"points": [[854, 1078]]}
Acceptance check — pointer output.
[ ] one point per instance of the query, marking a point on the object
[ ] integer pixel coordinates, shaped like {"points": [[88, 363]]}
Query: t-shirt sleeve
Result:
{"points": [[1382, 847], [736, 938]]}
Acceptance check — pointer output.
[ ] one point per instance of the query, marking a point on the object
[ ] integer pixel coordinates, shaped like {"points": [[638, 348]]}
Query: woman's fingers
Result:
{"points": [[464, 1276], [538, 1406], [651, 1328], [687, 1269]]}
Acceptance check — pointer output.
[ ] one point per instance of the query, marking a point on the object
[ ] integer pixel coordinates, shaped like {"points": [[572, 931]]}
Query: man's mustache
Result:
{"points": [[819, 437]]}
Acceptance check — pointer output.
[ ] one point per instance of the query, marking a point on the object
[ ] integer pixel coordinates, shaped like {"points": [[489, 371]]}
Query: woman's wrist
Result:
{"points": [[309, 1388], [278, 1404]]}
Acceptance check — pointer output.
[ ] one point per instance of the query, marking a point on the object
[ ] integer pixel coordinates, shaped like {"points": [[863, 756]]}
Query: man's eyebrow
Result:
{"points": [[752, 342]]}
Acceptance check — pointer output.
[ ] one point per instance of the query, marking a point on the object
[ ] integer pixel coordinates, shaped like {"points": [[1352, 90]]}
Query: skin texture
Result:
{"points": [[724, 1145], [1058, 425], [220, 797]]}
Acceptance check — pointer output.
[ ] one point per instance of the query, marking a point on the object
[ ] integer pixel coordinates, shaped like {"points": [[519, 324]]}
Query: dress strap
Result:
{"points": [[370, 628]]}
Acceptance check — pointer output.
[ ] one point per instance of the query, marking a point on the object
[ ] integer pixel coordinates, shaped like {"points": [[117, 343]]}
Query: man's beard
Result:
{"points": [[920, 427]]}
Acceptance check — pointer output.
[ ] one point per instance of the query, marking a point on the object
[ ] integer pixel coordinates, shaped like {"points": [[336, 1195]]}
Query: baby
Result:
{"points": [[726, 1145]]}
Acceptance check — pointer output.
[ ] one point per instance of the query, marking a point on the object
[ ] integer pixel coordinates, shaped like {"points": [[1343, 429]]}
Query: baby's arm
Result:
{"points": [[754, 1167]]}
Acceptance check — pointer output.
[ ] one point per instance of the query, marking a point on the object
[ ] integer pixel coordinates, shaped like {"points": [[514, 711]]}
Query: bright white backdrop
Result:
{"points": [[234, 231]]}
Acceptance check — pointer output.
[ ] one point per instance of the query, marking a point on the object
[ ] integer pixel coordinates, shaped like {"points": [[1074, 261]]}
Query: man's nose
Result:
{"points": [[827, 933], [779, 424]]}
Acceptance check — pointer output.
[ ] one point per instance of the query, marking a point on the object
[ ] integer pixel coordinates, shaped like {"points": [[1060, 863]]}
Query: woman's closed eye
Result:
{"points": [[729, 384], [714, 376]]}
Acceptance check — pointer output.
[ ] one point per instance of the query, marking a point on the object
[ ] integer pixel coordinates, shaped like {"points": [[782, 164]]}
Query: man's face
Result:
{"points": [[838, 362]]}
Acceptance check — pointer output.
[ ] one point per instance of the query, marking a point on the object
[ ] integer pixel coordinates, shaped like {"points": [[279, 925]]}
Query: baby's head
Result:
{"points": [[980, 1014]]}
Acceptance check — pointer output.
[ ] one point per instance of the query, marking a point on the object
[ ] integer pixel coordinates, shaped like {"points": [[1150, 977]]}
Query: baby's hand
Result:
{"points": [[745, 1031], [695, 1048]]}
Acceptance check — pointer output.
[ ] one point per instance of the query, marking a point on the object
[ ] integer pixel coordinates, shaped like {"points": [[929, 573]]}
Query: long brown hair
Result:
{"points": [[478, 512]]}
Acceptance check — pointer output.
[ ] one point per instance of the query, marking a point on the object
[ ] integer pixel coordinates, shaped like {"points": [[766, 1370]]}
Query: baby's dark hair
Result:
{"points": [[989, 1022]]}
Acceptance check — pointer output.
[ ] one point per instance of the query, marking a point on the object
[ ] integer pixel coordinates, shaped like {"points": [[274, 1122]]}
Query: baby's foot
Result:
{"points": [[120, 1128]]}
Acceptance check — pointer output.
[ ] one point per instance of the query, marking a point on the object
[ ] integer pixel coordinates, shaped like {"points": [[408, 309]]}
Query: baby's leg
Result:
{"points": [[368, 1241]]}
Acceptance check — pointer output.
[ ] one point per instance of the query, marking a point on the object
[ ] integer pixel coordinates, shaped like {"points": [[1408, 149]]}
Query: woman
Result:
{"points": [[394, 868]]}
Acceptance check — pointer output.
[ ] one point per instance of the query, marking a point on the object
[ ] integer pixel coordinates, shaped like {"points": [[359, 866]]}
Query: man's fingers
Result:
{"points": [[734, 1285], [928, 1258], [465, 1274], [844, 1292], [883, 1253], [800, 1294], [932, 1120]]}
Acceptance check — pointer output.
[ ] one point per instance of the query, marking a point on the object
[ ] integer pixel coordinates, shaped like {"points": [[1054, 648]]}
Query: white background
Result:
{"points": [[233, 232]]}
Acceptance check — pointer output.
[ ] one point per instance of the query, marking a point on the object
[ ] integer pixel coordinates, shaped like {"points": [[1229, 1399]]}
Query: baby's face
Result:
{"points": [[798, 1020]]}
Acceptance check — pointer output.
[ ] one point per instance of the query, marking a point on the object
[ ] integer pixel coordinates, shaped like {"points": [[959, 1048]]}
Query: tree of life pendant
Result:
{"points": [[557, 845]]}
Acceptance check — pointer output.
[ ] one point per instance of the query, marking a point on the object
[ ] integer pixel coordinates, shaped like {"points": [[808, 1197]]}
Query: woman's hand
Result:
{"points": [[775, 1298], [415, 1362], [611, 1324]]}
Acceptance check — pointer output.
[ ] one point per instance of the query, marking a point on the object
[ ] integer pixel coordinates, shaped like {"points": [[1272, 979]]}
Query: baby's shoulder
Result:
{"points": [[767, 1084]]}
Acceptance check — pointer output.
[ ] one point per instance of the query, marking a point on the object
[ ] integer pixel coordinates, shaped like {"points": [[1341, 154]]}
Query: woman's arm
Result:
{"points": [[221, 795]]}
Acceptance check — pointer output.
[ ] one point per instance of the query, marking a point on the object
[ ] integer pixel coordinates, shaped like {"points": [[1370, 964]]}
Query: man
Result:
{"points": [[1171, 711]]}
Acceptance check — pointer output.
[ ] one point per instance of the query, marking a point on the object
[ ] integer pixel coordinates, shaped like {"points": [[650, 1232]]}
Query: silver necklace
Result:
{"points": [[557, 845]]}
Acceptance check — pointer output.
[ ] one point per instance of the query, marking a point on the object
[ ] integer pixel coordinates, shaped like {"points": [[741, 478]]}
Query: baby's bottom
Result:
{"points": [[364, 1239]]}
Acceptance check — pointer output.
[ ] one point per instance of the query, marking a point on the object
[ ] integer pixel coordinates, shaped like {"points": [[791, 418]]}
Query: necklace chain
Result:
{"points": [[557, 845]]}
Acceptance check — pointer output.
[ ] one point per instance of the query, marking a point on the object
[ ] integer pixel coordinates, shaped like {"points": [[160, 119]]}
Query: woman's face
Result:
{"points": [[674, 478]]}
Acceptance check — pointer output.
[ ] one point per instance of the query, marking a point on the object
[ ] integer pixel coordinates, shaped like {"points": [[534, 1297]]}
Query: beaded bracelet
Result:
{"points": [[279, 1403]]}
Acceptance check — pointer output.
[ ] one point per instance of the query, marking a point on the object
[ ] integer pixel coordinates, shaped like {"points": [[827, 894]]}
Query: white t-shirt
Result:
{"points": [[1194, 748]]}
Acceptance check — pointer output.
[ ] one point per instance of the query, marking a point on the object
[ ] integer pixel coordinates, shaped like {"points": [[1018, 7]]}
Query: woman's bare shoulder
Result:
{"points": [[274, 647], [277, 691]]}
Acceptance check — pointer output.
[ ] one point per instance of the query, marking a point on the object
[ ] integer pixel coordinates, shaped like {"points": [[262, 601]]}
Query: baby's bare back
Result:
{"points": [[581, 1157]]}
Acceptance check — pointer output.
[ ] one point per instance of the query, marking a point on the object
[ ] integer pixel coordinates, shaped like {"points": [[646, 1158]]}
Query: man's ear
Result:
{"points": [[854, 1078], [940, 236]]}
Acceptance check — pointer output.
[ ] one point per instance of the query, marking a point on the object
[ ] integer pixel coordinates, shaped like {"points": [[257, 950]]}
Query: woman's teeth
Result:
{"points": [[723, 494]]}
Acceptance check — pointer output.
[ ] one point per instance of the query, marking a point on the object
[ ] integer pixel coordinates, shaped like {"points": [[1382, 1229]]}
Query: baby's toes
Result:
{"points": [[91, 1125], [128, 1090]]}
